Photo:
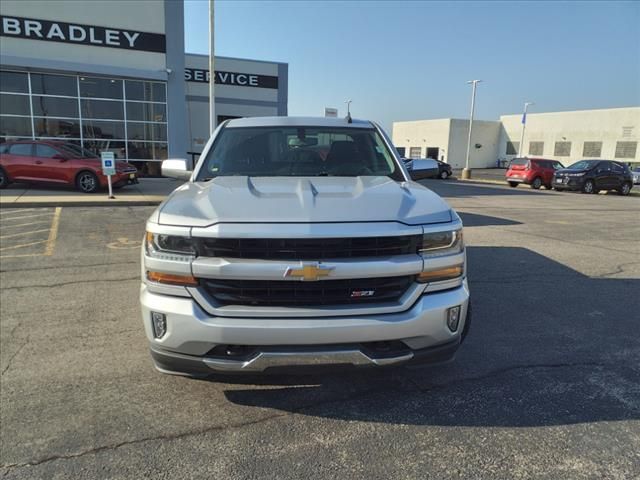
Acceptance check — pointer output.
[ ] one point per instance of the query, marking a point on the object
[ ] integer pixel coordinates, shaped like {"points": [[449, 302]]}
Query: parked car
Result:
{"points": [[635, 173], [271, 256], [536, 172], [422, 168], [444, 170], [58, 162], [592, 176]]}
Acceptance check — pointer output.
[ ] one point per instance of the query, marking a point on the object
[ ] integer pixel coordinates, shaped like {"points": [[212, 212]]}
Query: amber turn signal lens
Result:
{"points": [[171, 279], [448, 273]]}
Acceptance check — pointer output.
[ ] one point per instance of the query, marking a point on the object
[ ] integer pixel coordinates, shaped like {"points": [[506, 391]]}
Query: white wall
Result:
{"points": [[606, 125], [424, 134], [485, 133], [451, 135]]}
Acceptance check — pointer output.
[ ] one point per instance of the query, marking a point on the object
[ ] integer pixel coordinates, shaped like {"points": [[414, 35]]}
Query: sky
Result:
{"points": [[410, 60]]}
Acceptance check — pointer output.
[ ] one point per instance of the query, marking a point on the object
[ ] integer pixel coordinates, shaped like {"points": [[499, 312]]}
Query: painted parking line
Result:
{"points": [[27, 242]]}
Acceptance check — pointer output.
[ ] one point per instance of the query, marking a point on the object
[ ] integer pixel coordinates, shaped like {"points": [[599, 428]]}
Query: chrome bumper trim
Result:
{"points": [[263, 360]]}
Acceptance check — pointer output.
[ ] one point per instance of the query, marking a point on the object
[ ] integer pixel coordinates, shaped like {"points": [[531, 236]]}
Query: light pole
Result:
{"points": [[212, 73], [466, 172], [348, 102], [524, 123]]}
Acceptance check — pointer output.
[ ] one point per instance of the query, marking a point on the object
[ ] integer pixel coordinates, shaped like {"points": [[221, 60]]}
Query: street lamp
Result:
{"points": [[466, 172], [524, 123]]}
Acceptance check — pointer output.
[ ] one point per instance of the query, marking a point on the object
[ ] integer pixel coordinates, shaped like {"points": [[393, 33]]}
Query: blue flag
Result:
{"points": [[524, 118]]}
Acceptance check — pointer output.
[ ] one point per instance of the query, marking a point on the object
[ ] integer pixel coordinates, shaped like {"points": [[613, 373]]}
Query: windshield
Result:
{"points": [[582, 165], [519, 161], [298, 151]]}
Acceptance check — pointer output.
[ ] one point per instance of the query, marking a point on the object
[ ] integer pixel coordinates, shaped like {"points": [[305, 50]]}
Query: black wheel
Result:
{"points": [[625, 189], [513, 184], [444, 175], [87, 182], [537, 183], [548, 187], [588, 187], [4, 178]]}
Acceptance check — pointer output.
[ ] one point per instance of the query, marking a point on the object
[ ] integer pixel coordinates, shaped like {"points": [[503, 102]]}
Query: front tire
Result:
{"points": [[588, 187], [537, 183], [513, 184], [625, 189], [87, 182], [444, 175], [4, 178]]}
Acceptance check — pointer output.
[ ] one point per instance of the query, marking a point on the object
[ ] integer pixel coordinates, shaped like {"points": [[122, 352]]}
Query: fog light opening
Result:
{"points": [[453, 318], [159, 324]]}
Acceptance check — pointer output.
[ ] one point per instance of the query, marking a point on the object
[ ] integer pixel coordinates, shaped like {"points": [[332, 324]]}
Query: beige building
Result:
{"points": [[564, 136]]}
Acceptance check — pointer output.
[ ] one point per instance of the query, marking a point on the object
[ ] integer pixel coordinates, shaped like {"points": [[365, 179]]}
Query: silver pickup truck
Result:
{"points": [[301, 242]]}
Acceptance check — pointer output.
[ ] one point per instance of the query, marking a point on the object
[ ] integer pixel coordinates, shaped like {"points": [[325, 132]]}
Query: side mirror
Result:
{"points": [[176, 168], [424, 168]]}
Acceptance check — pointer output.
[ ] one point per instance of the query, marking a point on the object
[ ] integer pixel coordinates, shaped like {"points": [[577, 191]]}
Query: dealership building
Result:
{"points": [[114, 76], [611, 133]]}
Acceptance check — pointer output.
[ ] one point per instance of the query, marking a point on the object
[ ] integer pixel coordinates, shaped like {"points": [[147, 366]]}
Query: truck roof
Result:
{"points": [[297, 122]]}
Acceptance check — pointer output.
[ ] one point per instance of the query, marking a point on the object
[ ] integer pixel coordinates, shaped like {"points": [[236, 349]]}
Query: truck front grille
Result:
{"points": [[308, 248], [355, 291]]}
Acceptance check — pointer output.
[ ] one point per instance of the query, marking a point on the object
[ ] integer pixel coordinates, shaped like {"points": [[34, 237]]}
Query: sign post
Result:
{"points": [[108, 168]]}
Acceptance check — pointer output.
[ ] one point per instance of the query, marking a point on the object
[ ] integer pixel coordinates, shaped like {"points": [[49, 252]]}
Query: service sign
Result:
{"points": [[108, 163], [231, 78], [52, 31]]}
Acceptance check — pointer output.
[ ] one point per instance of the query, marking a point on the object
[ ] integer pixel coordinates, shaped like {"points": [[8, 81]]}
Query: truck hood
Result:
{"points": [[302, 200]]}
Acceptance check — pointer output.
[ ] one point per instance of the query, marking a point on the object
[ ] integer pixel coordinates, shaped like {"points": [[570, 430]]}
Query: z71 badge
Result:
{"points": [[362, 293]]}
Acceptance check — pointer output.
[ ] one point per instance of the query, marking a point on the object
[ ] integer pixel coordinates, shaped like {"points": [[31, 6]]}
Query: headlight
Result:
{"points": [[437, 244], [162, 243]]}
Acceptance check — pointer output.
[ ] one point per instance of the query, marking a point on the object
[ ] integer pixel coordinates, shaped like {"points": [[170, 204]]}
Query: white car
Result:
{"points": [[636, 175], [297, 242]]}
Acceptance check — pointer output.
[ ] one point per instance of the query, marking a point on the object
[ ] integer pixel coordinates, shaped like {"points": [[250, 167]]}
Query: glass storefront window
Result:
{"points": [[14, 82], [102, 129], [57, 127], [145, 91], [54, 106], [102, 109], [97, 146], [97, 87], [14, 104], [88, 111], [147, 112], [147, 151], [156, 132], [46, 84], [11, 127]]}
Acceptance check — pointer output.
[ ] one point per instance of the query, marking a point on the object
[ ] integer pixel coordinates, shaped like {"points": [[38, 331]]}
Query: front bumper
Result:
{"points": [[417, 334], [574, 183]]}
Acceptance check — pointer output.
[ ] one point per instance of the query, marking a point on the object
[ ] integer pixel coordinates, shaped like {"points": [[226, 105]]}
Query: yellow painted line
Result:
{"points": [[53, 233], [23, 245], [28, 216], [559, 222], [23, 233], [24, 224]]}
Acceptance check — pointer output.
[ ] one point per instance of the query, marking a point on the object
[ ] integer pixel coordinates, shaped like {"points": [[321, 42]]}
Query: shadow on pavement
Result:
{"points": [[452, 188], [548, 346], [477, 220]]}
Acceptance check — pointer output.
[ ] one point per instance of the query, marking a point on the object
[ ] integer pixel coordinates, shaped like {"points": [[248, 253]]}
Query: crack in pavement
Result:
{"points": [[15, 355], [127, 279], [65, 266], [301, 409]]}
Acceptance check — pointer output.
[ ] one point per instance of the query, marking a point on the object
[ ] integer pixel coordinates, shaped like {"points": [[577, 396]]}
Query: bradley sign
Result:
{"points": [[52, 31]]}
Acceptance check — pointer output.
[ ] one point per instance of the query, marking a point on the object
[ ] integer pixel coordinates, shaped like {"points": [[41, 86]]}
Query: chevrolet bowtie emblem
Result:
{"points": [[309, 273]]}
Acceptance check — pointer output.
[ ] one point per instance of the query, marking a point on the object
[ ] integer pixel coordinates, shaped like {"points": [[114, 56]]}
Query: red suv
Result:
{"points": [[58, 162], [532, 171]]}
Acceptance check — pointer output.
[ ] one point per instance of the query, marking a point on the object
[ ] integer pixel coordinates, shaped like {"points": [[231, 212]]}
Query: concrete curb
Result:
{"points": [[504, 183], [80, 203]]}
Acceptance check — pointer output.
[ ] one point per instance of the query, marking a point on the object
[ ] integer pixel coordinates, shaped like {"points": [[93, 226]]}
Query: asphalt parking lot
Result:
{"points": [[547, 385]]}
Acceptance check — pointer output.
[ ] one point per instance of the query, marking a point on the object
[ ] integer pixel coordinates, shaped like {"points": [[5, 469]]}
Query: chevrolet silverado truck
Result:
{"points": [[301, 242]]}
